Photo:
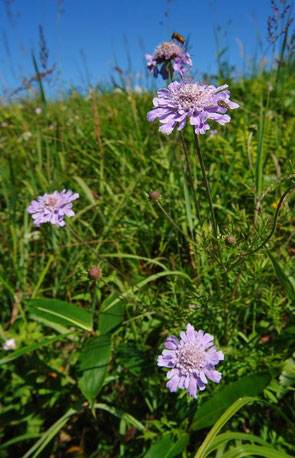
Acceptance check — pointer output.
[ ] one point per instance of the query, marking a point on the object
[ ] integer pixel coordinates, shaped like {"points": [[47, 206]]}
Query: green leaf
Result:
{"points": [[287, 377], [222, 439], [23, 437], [93, 365], [134, 256], [42, 276], [87, 191], [122, 415], [178, 447], [188, 206], [147, 280], [283, 278], [61, 312], [168, 447], [254, 450], [49, 434], [210, 411], [110, 319], [134, 358], [202, 451], [23, 351], [260, 155]]}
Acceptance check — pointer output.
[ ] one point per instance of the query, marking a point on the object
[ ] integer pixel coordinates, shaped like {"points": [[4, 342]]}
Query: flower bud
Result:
{"points": [[154, 195], [253, 128], [94, 273], [230, 240]]}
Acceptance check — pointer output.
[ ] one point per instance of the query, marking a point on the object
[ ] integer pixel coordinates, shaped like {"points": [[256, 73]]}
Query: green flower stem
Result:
{"points": [[206, 184], [189, 239], [190, 177], [102, 259], [270, 234]]}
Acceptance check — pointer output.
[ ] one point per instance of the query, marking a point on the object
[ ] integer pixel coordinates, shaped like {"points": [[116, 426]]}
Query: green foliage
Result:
{"points": [[103, 339], [93, 366], [210, 411]]}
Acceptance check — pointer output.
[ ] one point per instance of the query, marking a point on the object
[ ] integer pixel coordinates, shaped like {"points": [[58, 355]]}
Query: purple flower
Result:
{"points": [[38, 111], [196, 101], [213, 132], [190, 362], [165, 53], [51, 208]]}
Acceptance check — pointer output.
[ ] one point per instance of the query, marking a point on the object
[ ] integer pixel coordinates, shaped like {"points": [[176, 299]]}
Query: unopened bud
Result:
{"points": [[253, 128], [94, 273], [230, 240], [154, 195]]}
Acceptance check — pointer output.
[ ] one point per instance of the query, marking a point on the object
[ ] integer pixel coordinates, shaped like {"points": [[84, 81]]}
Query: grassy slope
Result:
{"points": [[113, 157]]}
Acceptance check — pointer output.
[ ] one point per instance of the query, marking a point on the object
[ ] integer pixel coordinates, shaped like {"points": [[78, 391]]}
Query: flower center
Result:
{"points": [[190, 357], [51, 202], [167, 51], [193, 96]]}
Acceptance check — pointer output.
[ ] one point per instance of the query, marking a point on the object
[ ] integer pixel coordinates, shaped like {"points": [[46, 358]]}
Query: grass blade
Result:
{"points": [[220, 423]]}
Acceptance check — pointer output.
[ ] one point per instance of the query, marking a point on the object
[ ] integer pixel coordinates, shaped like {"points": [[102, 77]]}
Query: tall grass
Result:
{"points": [[165, 275]]}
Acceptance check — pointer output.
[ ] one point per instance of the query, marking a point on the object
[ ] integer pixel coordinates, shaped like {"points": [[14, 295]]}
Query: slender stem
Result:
{"points": [[2, 333], [190, 177], [190, 240], [206, 184], [271, 232], [174, 224], [102, 259]]}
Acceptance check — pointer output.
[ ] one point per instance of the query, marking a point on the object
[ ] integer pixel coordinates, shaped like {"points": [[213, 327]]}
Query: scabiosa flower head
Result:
{"points": [[195, 101], [9, 344], [51, 208], [38, 111], [165, 53], [191, 361]]}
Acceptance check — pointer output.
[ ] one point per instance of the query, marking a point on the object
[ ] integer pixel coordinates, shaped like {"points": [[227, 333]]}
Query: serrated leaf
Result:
{"points": [[93, 365], [210, 411], [61, 312]]}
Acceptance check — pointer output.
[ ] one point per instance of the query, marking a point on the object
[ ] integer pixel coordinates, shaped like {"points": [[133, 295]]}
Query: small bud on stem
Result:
{"points": [[154, 195], [94, 273], [230, 240]]}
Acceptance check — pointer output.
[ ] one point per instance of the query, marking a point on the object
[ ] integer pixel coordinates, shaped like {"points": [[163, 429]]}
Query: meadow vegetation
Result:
{"points": [[83, 379]]}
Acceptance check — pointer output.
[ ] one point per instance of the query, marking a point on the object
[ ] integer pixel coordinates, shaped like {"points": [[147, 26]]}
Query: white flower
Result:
{"points": [[138, 89], [9, 344], [24, 137]]}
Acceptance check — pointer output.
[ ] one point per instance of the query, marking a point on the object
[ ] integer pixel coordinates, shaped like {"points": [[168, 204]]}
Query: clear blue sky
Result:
{"points": [[97, 28]]}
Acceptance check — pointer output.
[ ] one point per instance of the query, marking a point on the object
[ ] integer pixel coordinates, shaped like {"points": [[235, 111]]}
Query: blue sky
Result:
{"points": [[92, 34]]}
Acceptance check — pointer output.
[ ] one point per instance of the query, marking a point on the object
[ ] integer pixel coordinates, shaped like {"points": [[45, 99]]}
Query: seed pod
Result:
{"points": [[230, 240], [154, 195], [94, 273]]}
